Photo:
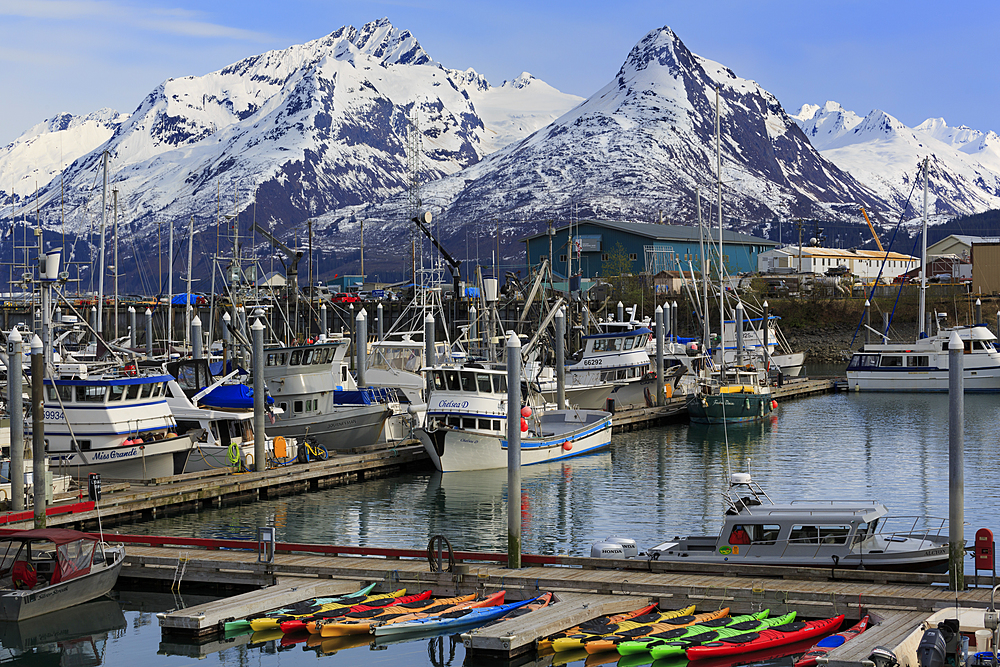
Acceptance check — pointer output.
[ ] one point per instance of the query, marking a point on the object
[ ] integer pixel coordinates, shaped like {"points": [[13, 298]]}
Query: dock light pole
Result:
{"points": [[361, 347], [560, 322], [513, 452], [149, 333], [956, 473], [661, 392], [132, 333], [196, 340], [16, 409], [257, 329], [38, 480]]}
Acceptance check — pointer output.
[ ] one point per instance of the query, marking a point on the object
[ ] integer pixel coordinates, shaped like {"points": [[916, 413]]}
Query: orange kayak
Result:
{"points": [[630, 630], [358, 623], [491, 601], [595, 624]]}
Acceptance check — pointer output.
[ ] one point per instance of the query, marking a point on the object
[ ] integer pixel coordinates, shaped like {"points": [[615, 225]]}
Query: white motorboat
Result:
{"points": [[837, 534], [113, 420], [49, 569], [466, 427]]}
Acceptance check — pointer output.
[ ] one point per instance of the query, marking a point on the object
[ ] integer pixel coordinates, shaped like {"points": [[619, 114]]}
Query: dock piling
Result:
{"points": [[513, 452], [149, 333], [560, 323], [258, 395], [196, 339], [661, 393], [131, 328], [429, 348], [361, 347], [739, 335], [38, 430], [16, 409], [956, 473]]}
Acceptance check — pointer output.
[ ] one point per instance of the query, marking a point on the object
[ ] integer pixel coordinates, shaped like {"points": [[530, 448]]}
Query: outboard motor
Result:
{"points": [[938, 644], [882, 656], [614, 547]]}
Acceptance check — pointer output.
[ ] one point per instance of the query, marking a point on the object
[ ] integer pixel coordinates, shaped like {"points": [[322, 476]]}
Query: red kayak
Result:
{"points": [[827, 644], [798, 648], [765, 639]]}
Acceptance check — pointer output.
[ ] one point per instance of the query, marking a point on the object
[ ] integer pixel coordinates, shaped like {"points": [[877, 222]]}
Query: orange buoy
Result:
{"points": [[526, 412], [774, 404], [567, 446]]}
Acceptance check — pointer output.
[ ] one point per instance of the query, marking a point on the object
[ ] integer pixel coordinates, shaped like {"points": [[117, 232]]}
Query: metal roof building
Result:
{"points": [[649, 248]]}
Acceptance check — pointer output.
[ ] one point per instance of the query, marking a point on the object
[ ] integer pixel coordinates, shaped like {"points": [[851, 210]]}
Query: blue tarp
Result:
{"points": [[217, 371], [232, 397], [192, 299]]}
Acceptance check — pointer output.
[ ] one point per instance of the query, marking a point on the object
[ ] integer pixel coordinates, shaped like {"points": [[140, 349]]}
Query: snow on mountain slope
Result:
{"points": [[33, 159], [302, 130], [883, 153], [642, 146], [514, 109]]}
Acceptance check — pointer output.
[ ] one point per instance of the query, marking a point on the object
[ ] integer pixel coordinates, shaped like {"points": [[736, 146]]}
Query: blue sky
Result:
{"points": [[914, 60]]}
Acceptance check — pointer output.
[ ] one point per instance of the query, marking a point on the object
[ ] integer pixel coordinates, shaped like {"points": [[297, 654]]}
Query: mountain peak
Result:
{"points": [[661, 47]]}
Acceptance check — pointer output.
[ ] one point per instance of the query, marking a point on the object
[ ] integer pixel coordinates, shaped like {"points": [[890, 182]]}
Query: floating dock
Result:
{"points": [[586, 587]]}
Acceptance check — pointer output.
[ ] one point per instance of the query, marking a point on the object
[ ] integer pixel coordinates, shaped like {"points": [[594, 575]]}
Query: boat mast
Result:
{"points": [[722, 290], [187, 297], [100, 261], [922, 314], [170, 289], [704, 271], [115, 203]]}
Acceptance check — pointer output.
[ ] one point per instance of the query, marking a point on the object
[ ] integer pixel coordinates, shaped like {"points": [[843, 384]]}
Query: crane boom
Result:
{"points": [[293, 255], [453, 263], [872, 227]]}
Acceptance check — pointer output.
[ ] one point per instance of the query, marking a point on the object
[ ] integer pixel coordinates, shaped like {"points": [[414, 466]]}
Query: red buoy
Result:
{"points": [[567, 446]]}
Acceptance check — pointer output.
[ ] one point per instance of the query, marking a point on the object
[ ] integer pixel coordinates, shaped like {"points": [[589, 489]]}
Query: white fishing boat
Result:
{"points": [[49, 569], [112, 420], [838, 534], [923, 364], [319, 399], [466, 426]]}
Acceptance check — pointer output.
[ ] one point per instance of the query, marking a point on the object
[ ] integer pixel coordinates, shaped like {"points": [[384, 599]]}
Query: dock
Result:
{"points": [[585, 587]]}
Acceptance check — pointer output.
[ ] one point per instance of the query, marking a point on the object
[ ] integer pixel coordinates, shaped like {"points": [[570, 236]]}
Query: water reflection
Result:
{"points": [[653, 484], [74, 637]]}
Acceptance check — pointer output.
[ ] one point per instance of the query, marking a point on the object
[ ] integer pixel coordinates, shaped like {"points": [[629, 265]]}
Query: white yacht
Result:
{"points": [[466, 426]]}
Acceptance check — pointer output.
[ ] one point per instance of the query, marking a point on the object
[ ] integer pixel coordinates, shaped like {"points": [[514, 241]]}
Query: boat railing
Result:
{"points": [[911, 526], [837, 501]]}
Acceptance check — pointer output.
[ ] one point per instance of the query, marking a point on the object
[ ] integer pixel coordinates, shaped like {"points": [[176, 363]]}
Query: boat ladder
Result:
{"points": [[182, 561]]}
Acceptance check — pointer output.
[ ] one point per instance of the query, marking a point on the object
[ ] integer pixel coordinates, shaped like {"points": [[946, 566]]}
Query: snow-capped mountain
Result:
{"points": [[641, 148], [883, 153], [33, 159], [299, 131]]}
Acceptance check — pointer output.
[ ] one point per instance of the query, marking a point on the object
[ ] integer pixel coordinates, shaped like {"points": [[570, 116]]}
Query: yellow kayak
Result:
{"points": [[274, 622], [580, 639]]}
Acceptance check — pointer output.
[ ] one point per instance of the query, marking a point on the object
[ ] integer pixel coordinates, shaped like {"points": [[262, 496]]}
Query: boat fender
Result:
{"points": [[774, 404], [524, 425], [567, 446]]}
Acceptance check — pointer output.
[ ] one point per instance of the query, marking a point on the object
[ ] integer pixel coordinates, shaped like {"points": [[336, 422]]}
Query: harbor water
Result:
{"points": [[652, 485]]}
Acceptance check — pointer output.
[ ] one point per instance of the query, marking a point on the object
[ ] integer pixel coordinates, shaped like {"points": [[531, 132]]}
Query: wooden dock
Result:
{"points": [[590, 587]]}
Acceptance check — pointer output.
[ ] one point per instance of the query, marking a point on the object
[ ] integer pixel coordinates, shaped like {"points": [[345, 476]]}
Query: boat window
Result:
{"points": [[85, 394], [484, 383], [468, 381], [977, 345], [455, 422], [284, 407], [739, 535], [607, 375], [296, 358], [328, 356], [133, 391], [863, 361], [84, 445], [496, 424], [615, 344], [343, 373], [187, 378], [282, 358], [307, 357], [629, 343], [764, 533], [917, 361], [438, 380], [804, 535], [65, 392], [147, 391], [272, 359], [600, 344], [620, 374], [499, 384], [484, 424], [834, 534], [297, 407], [117, 392], [889, 360], [468, 422], [451, 377]]}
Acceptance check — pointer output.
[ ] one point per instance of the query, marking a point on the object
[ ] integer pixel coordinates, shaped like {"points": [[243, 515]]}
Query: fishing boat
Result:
{"points": [[319, 398], [49, 569], [923, 364], [466, 426], [837, 534], [733, 394], [113, 420]]}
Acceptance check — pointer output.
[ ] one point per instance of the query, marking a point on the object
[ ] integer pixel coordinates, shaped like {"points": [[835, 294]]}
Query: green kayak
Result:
{"points": [[677, 647], [644, 644]]}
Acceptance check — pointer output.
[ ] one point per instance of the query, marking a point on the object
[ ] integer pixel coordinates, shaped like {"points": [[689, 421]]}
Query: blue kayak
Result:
{"points": [[461, 618]]}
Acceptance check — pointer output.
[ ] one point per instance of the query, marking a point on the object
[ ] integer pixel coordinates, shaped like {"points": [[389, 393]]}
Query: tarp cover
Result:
{"points": [[232, 397], [55, 535]]}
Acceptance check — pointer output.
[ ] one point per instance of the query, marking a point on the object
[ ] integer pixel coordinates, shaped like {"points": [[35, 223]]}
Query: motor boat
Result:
{"points": [[837, 534]]}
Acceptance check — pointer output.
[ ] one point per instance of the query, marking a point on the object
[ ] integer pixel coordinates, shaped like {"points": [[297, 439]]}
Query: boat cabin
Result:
{"points": [[32, 559], [470, 397]]}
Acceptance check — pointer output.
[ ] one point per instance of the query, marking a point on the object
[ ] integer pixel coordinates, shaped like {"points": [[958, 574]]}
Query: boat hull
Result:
{"points": [[347, 428], [18, 605], [728, 408], [581, 432], [584, 397], [976, 380], [158, 458]]}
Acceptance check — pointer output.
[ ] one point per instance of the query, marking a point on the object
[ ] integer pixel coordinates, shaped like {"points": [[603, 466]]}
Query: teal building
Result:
{"points": [[647, 248]]}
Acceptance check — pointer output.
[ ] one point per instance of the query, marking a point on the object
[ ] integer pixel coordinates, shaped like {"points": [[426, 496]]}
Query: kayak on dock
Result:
{"points": [[678, 647], [765, 639], [628, 632], [599, 625], [643, 644], [449, 620], [827, 644], [361, 622], [580, 639], [267, 621], [301, 623]]}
